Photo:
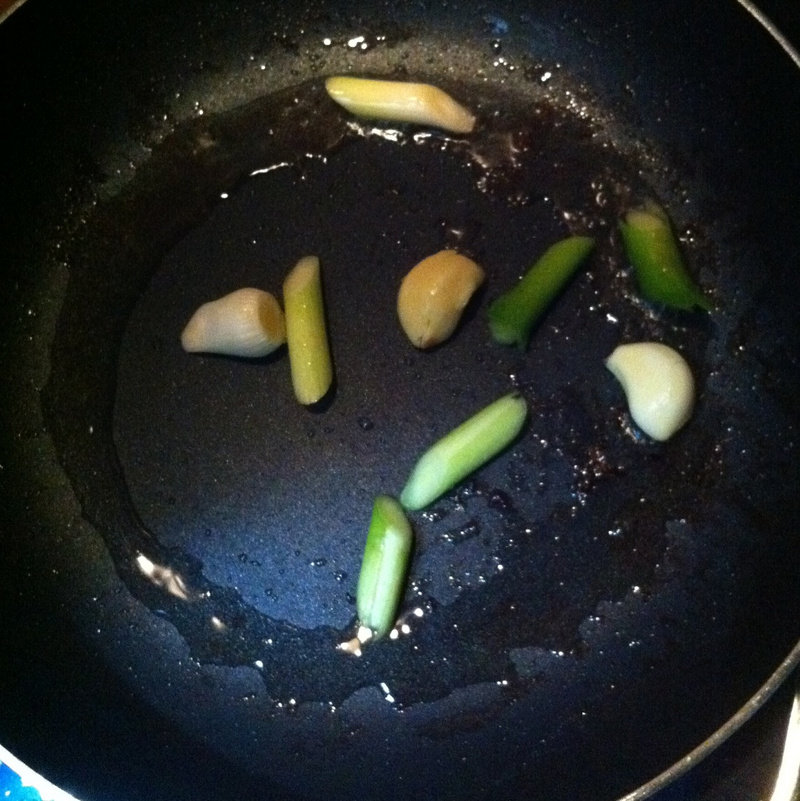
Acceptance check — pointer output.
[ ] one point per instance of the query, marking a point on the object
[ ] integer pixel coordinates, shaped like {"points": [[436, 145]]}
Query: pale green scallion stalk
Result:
{"points": [[382, 580], [464, 450], [306, 335], [400, 101]]}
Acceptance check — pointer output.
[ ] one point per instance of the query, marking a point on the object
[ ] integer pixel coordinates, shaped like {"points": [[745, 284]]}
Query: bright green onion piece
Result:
{"points": [[382, 580], [464, 450], [306, 334], [657, 262], [513, 315]]}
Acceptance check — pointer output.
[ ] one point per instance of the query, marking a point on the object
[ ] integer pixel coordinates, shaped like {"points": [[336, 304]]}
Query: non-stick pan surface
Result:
{"points": [[182, 540]]}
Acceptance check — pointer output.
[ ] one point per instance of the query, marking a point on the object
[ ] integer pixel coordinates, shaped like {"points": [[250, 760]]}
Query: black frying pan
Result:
{"points": [[181, 541]]}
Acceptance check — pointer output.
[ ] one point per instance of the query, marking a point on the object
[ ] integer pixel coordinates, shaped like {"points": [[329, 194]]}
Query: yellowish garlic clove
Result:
{"points": [[248, 322], [400, 101], [658, 385], [433, 296]]}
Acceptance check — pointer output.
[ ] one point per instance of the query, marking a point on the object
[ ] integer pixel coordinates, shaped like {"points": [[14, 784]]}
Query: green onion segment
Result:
{"points": [[653, 251], [387, 553], [513, 315], [400, 101], [306, 335], [464, 449]]}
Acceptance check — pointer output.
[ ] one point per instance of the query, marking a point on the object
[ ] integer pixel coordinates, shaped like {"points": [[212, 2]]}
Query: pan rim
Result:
{"points": [[747, 711], [784, 671], [772, 29]]}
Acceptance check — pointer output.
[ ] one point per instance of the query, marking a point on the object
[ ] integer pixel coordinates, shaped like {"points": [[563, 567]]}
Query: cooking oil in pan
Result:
{"points": [[237, 512]]}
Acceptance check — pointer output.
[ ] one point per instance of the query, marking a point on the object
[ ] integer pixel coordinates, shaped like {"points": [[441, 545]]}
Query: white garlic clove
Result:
{"points": [[433, 296], [658, 385], [248, 322]]}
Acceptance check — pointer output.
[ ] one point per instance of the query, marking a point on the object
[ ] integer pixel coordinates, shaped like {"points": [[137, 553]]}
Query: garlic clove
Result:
{"points": [[400, 101], [433, 296], [658, 385], [247, 322]]}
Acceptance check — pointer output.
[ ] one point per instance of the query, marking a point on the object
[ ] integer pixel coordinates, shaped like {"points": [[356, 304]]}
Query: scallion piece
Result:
{"points": [[513, 315], [400, 101], [306, 335], [381, 582], [657, 261], [463, 450]]}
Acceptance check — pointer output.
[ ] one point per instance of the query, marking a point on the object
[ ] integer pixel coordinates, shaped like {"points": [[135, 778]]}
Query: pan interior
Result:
{"points": [[239, 516]]}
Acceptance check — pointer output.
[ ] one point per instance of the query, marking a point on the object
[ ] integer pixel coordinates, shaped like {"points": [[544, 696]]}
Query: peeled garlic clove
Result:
{"points": [[433, 295], [248, 322], [658, 385], [401, 101]]}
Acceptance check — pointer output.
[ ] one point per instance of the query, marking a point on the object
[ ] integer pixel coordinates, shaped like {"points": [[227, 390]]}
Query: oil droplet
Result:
{"points": [[500, 501], [466, 532]]}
